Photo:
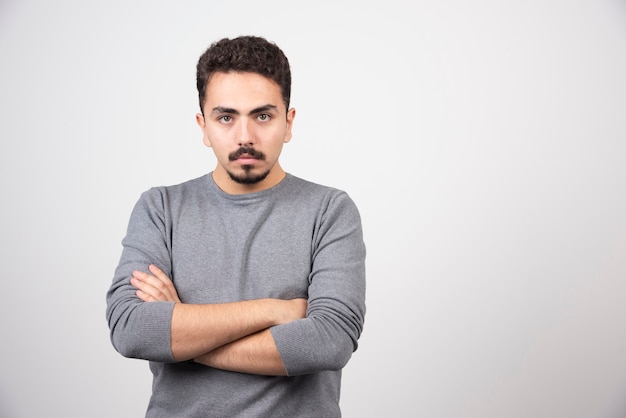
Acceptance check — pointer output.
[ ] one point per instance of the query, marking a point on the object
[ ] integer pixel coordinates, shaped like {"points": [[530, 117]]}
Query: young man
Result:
{"points": [[244, 288]]}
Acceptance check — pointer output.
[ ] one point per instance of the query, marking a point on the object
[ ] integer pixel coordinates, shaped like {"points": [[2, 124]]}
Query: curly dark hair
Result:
{"points": [[250, 54]]}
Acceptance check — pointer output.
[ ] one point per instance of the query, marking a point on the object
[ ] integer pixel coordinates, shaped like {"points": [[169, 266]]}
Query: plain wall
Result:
{"points": [[484, 143]]}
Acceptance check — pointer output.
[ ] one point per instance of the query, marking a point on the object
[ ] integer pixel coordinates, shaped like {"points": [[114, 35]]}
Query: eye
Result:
{"points": [[225, 119], [264, 117]]}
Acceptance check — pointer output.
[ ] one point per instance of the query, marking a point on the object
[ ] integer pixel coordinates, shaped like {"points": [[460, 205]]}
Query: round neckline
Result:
{"points": [[247, 196]]}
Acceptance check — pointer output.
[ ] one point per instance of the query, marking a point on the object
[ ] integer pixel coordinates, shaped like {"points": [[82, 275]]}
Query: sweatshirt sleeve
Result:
{"points": [[139, 329], [327, 337]]}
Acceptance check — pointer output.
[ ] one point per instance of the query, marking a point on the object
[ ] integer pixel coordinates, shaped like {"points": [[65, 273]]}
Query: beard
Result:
{"points": [[248, 176]]}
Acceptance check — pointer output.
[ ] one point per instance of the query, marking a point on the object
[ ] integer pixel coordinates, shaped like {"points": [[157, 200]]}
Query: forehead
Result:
{"points": [[242, 91]]}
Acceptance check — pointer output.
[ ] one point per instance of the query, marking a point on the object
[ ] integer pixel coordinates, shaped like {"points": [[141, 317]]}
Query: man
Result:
{"points": [[266, 300]]}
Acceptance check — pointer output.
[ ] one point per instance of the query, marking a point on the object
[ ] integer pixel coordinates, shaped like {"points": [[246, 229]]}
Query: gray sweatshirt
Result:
{"points": [[297, 239]]}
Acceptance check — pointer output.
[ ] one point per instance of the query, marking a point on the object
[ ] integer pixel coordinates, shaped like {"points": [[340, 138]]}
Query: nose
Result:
{"points": [[246, 134]]}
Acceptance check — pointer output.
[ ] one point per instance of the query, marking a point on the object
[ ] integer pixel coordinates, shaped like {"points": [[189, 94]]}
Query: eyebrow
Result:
{"points": [[229, 110]]}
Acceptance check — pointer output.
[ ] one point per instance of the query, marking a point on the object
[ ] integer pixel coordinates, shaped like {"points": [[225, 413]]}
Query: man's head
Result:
{"points": [[244, 88], [244, 54]]}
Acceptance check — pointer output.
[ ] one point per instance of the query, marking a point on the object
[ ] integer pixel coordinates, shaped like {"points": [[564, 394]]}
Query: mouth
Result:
{"points": [[246, 156], [246, 159]]}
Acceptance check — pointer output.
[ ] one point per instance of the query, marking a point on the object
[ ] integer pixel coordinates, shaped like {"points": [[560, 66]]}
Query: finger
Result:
{"points": [[160, 289], [169, 289], [150, 279], [144, 296], [148, 291], [159, 274]]}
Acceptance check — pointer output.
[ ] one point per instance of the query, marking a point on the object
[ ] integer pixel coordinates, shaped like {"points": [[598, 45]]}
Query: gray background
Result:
{"points": [[483, 141]]}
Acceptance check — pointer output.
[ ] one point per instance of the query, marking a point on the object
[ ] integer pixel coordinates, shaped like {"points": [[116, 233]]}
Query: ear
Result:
{"points": [[202, 125], [291, 115]]}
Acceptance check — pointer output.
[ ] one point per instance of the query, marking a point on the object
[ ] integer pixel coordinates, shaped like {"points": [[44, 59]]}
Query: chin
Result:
{"points": [[248, 176]]}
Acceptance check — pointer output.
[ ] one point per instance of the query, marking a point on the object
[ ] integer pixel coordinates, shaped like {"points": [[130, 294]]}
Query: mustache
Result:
{"points": [[246, 150]]}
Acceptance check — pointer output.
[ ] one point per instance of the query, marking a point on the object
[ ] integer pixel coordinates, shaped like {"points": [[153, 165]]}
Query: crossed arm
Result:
{"points": [[230, 336]]}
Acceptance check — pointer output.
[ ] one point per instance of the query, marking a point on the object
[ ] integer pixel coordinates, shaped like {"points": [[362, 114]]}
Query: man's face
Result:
{"points": [[246, 123]]}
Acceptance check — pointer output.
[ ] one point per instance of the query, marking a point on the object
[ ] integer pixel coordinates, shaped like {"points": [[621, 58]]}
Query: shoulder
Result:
{"points": [[160, 198], [188, 187], [309, 188], [323, 196]]}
